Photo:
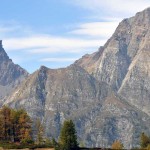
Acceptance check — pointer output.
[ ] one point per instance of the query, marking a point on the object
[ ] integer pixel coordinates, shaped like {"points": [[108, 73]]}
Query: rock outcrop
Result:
{"points": [[124, 62], [11, 75]]}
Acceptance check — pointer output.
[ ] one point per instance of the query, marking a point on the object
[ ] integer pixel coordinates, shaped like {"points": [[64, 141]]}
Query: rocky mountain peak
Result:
{"points": [[43, 68], [3, 54], [11, 74], [124, 63], [0, 43]]}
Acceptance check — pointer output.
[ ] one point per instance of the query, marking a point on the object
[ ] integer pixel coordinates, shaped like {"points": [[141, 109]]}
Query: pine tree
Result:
{"points": [[56, 145], [117, 145], [40, 132], [145, 140], [15, 125], [68, 137], [5, 124], [24, 127]]}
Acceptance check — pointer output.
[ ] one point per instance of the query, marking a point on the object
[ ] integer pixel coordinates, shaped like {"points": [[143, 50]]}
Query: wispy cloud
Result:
{"points": [[95, 35], [58, 59], [81, 38], [96, 29], [112, 7], [13, 29], [50, 44]]}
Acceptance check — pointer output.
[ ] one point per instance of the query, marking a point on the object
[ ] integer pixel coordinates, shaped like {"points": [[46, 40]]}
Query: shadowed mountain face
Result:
{"points": [[107, 93], [10, 74]]}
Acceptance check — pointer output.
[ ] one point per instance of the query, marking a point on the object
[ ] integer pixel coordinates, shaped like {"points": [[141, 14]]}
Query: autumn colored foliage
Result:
{"points": [[15, 125]]}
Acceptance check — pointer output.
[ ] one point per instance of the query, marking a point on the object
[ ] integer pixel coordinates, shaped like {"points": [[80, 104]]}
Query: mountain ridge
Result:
{"points": [[127, 53], [11, 75]]}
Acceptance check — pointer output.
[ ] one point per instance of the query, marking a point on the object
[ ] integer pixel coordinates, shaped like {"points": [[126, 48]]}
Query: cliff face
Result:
{"points": [[124, 62], [11, 75]]}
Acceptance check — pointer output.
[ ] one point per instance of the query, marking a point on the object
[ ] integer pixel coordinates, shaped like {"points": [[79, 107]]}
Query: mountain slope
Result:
{"points": [[11, 75], [71, 93], [68, 85], [124, 62], [136, 85]]}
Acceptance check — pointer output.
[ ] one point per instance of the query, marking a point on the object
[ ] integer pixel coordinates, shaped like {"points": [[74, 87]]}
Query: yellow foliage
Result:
{"points": [[148, 147], [117, 145]]}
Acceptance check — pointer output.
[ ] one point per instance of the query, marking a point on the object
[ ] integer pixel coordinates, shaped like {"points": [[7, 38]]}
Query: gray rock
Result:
{"points": [[11, 75], [124, 62]]}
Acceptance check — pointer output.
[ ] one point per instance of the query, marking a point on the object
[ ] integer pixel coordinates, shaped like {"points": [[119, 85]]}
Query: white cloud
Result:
{"points": [[96, 33], [14, 29], [7, 29], [50, 44], [113, 7], [96, 29], [58, 59]]}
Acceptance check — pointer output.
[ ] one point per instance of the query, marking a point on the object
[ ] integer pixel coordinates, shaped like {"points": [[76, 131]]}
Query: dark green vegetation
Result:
{"points": [[68, 137], [16, 131]]}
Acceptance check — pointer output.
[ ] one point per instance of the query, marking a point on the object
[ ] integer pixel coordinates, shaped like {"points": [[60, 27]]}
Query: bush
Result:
{"points": [[27, 142], [145, 140], [117, 145], [148, 147]]}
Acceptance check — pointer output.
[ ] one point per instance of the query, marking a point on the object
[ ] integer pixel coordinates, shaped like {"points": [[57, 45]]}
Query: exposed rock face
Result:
{"points": [[10, 74], [125, 61], [72, 86], [136, 85], [90, 62]]}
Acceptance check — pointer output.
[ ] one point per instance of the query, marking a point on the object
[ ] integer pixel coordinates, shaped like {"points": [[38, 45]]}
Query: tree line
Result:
{"points": [[144, 143], [16, 131], [15, 125]]}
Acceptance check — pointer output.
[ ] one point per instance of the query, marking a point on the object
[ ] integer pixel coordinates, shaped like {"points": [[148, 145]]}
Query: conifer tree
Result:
{"points": [[24, 127], [68, 137], [5, 124], [15, 125], [40, 132]]}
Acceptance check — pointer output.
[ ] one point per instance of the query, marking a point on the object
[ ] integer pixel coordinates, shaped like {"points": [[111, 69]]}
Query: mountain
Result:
{"points": [[124, 61], [55, 95], [11, 75], [101, 116], [107, 93]]}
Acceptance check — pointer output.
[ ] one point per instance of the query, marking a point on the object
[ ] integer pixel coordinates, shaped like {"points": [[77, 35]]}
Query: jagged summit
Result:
{"points": [[146, 10], [124, 62], [0, 43], [10, 74], [3, 54]]}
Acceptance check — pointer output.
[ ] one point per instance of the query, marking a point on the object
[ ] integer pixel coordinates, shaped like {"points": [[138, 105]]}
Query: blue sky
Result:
{"points": [[55, 33]]}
